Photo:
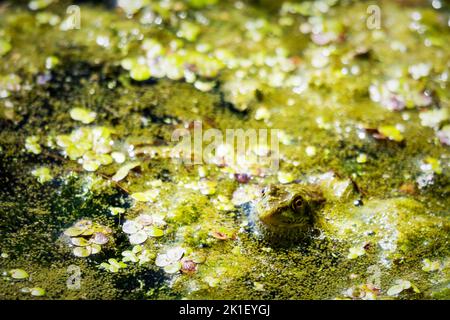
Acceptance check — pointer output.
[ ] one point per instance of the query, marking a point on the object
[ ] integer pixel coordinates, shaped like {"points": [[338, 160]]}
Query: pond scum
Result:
{"points": [[92, 205]]}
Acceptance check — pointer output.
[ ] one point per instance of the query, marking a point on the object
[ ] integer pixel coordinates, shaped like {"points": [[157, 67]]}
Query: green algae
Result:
{"points": [[328, 116]]}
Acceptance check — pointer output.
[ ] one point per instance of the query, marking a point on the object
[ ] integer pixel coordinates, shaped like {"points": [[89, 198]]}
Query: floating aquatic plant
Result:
{"points": [[83, 115], [285, 177], [18, 274], [391, 132], [170, 260], [32, 145], [138, 254], [400, 286], [37, 292], [87, 237], [39, 4], [146, 196], [356, 252], [90, 145], [124, 170], [140, 72], [116, 210], [143, 227], [430, 266], [43, 174], [113, 265]]}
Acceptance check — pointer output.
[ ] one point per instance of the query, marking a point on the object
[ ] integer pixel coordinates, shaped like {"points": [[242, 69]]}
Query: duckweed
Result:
{"points": [[32, 145], [170, 260], [153, 67], [189, 31], [37, 292], [430, 266], [138, 254], [146, 196], [19, 274], [83, 115], [43, 174], [142, 227], [400, 286], [87, 237], [361, 158], [140, 72], [285, 177], [124, 170], [355, 252], [391, 132], [113, 265], [116, 211], [39, 4]]}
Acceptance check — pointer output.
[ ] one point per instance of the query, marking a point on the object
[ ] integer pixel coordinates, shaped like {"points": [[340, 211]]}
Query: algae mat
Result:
{"points": [[208, 149]]}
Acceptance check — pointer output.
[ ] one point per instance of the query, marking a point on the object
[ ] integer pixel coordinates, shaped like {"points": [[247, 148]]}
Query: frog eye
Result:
{"points": [[298, 204]]}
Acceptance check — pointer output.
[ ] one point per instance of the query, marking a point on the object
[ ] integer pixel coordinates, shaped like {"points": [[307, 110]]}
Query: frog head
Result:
{"points": [[289, 206]]}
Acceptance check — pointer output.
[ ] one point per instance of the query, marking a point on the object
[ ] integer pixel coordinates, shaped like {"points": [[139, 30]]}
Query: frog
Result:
{"points": [[332, 208], [290, 208]]}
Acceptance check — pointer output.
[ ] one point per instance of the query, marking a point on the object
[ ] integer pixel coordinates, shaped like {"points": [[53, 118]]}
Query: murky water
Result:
{"points": [[97, 202]]}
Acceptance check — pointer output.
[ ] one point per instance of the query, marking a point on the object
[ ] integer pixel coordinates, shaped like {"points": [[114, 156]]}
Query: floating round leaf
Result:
{"points": [[176, 253], [149, 195], [42, 174], [140, 72], [18, 274], [83, 224], [355, 252], [74, 231], [399, 286], [37, 292], [138, 237], [83, 115], [429, 266], [162, 260], [131, 227], [129, 256], [39, 4], [124, 170], [154, 231], [113, 268], [95, 248], [173, 268], [391, 132], [114, 262], [88, 232], [32, 145], [394, 290], [99, 238], [117, 264], [80, 242], [188, 266], [197, 257], [91, 165], [82, 252], [144, 219], [116, 210]]}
